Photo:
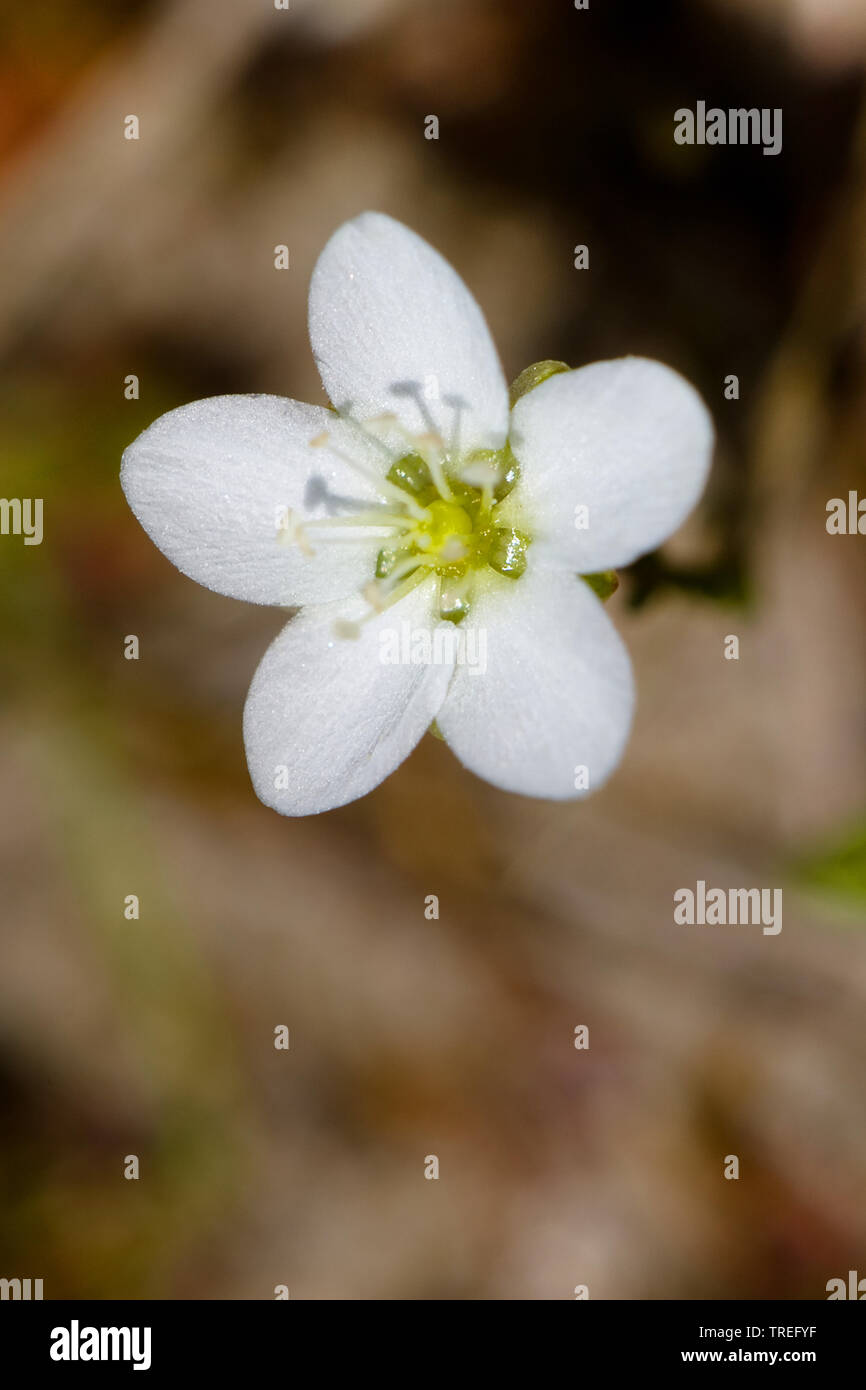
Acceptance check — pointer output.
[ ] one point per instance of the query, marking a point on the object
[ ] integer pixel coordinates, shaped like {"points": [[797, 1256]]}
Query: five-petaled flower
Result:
{"points": [[421, 501]]}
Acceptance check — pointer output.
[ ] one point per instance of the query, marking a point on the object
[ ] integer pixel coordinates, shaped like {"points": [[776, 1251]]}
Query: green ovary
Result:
{"points": [[455, 537]]}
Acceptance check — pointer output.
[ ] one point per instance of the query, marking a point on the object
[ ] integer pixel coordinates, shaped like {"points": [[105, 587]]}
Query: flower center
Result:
{"points": [[444, 539], [441, 516], [456, 533]]}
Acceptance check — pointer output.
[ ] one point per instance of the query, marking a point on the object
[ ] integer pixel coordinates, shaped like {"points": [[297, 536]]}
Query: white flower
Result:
{"points": [[421, 503]]}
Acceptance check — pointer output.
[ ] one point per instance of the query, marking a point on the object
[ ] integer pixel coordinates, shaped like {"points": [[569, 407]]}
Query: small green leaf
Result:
{"points": [[840, 870]]}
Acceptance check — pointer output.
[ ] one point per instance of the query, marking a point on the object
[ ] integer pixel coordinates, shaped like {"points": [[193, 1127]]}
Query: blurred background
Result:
{"points": [[412, 1037]]}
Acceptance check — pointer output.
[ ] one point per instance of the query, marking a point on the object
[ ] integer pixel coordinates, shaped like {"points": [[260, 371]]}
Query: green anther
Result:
{"points": [[454, 600], [456, 612], [412, 475], [533, 376], [604, 583], [507, 552], [385, 562]]}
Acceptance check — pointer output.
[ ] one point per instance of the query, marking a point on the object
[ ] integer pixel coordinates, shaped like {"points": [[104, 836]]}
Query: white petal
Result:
{"points": [[557, 693], [211, 482], [630, 440], [395, 331], [329, 716]]}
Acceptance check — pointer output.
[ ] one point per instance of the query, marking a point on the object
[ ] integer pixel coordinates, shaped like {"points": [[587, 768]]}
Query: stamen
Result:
{"points": [[363, 428], [381, 485], [399, 591], [484, 473], [343, 539], [407, 566], [291, 531], [352, 630], [415, 444], [378, 590], [374, 595], [384, 521], [433, 461]]}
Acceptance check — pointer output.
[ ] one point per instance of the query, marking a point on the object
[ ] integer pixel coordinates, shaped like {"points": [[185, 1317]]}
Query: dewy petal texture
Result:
{"points": [[395, 331], [325, 720], [210, 483], [630, 440], [557, 694]]}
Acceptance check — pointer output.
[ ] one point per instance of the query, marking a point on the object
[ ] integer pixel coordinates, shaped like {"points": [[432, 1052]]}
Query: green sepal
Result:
{"points": [[605, 583], [533, 376], [510, 474]]}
